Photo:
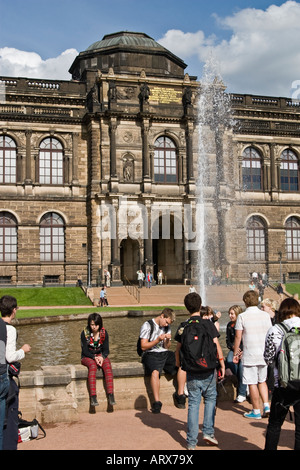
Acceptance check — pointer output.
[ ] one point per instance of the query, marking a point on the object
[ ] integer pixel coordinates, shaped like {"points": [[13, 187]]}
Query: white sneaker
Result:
{"points": [[240, 399], [210, 440]]}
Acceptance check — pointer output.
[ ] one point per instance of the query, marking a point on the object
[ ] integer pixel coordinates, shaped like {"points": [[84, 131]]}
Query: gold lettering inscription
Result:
{"points": [[165, 95]]}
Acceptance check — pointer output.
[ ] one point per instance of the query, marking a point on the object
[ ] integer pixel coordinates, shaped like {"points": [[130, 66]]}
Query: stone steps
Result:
{"points": [[216, 296]]}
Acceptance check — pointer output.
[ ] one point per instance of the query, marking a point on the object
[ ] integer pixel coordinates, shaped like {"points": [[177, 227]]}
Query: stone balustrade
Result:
{"points": [[59, 393]]}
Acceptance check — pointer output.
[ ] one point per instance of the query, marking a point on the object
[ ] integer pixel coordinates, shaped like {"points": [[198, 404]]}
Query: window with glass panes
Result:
{"points": [[292, 227], [251, 170], [256, 239], [52, 238], [51, 162], [165, 161], [289, 171], [8, 237], [8, 160]]}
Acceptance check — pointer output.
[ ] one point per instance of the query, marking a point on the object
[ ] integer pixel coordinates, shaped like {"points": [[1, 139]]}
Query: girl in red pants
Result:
{"points": [[94, 354]]}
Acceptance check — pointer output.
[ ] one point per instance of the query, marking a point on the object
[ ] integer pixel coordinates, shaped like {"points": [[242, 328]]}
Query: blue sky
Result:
{"points": [[255, 43]]}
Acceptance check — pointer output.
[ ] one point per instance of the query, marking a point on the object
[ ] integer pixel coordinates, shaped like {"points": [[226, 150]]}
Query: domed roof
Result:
{"points": [[128, 52], [128, 39]]}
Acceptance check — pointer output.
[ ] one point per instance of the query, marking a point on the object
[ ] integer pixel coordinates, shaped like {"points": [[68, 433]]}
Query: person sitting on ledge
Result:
{"points": [[156, 356], [94, 354]]}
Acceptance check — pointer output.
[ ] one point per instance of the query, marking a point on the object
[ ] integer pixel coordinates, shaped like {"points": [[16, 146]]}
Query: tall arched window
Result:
{"points": [[289, 171], [292, 237], [165, 161], [52, 238], [51, 162], [8, 237], [252, 170], [256, 239], [8, 160]]}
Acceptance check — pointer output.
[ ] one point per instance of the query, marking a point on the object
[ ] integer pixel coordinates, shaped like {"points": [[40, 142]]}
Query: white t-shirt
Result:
{"points": [[157, 331], [254, 324], [12, 354]]}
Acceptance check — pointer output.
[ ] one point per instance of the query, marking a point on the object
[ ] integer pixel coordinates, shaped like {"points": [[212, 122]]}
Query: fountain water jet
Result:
{"points": [[214, 116]]}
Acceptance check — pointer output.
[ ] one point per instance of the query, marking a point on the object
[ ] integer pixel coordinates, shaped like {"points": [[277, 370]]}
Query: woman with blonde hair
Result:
{"points": [[270, 306], [236, 369]]}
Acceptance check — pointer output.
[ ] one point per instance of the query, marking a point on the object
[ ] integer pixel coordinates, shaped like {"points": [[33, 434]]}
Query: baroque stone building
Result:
{"points": [[100, 172]]}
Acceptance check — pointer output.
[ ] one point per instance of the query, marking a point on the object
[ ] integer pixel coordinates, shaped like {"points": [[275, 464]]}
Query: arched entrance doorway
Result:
{"points": [[168, 252], [130, 259]]}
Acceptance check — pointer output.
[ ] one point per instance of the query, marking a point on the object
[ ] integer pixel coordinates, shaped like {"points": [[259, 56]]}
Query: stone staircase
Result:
{"points": [[169, 295], [218, 297]]}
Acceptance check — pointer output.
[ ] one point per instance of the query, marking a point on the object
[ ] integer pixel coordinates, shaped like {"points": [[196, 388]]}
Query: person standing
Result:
{"points": [[106, 278], [203, 383], [140, 277], [236, 369], [251, 327], [4, 381], [279, 291], [261, 290], [149, 279], [8, 308], [160, 277], [282, 398]]}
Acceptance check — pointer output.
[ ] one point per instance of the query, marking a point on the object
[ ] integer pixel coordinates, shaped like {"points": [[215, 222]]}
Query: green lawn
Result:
{"points": [[293, 288], [60, 296], [75, 311], [47, 296]]}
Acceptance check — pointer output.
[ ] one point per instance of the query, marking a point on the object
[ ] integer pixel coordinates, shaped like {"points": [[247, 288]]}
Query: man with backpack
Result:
{"points": [[155, 341], [282, 347], [4, 380], [8, 309], [200, 352]]}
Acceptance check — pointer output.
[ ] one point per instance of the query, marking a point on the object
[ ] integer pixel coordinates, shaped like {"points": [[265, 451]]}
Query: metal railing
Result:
{"points": [[132, 289]]}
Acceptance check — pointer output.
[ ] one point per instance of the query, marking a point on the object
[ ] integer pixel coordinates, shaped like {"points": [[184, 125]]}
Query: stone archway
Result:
{"points": [[130, 259], [168, 255]]}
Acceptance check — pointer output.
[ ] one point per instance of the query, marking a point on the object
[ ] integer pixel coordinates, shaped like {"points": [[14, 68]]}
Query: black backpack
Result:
{"points": [[198, 350], [138, 344]]}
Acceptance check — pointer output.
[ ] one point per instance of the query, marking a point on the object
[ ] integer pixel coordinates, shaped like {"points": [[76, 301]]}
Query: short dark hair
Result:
{"points": [[168, 313], [288, 308], [7, 305], [192, 302], [96, 318]]}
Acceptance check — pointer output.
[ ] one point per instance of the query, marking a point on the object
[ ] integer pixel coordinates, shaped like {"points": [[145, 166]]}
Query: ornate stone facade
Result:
{"points": [[92, 168]]}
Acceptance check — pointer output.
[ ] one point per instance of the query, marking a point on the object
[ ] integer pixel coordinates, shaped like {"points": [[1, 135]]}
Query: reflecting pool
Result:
{"points": [[59, 343]]}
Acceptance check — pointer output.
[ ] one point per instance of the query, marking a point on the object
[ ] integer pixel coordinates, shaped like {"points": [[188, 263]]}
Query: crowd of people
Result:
{"points": [[253, 338]]}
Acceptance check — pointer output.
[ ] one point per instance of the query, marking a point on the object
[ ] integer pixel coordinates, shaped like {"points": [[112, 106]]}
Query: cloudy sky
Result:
{"points": [[254, 43]]}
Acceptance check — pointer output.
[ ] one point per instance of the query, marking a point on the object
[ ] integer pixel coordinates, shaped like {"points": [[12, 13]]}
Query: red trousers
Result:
{"points": [[107, 371]]}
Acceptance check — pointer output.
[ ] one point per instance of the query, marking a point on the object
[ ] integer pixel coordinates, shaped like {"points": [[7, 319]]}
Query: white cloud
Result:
{"points": [[262, 55], [16, 63]]}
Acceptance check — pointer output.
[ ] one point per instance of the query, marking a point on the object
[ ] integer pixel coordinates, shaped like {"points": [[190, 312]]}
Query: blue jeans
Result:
{"points": [[4, 387], [237, 370], [198, 388]]}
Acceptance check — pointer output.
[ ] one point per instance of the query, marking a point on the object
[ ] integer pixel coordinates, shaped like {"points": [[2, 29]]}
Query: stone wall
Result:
{"points": [[59, 393]]}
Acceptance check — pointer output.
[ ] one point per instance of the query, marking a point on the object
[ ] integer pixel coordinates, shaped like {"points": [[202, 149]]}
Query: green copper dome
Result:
{"points": [[127, 39], [127, 52]]}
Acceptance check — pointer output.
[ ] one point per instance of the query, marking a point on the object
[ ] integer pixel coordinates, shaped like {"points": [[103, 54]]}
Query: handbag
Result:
{"points": [[14, 368], [28, 429]]}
